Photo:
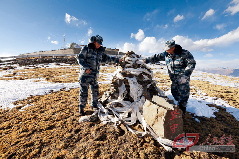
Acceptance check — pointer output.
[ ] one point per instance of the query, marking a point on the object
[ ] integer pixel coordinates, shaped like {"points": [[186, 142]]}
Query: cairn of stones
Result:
{"points": [[131, 83]]}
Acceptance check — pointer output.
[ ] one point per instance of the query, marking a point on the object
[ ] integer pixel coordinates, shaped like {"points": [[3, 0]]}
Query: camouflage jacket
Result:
{"points": [[91, 58], [179, 63]]}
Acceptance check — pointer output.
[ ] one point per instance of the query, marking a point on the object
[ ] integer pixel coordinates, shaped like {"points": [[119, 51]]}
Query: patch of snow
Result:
{"points": [[233, 111], [23, 108], [157, 68], [137, 71], [57, 65], [107, 76], [104, 82], [214, 79], [7, 59], [197, 120], [199, 105], [7, 72], [14, 90], [200, 108]]}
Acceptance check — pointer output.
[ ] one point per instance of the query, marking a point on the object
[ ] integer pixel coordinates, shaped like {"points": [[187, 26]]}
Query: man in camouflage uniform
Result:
{"points": [[89, 60], [180, 64]]}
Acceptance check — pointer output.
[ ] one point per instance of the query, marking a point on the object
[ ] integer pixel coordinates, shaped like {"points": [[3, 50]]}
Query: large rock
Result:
{"points": [[165, 119]]}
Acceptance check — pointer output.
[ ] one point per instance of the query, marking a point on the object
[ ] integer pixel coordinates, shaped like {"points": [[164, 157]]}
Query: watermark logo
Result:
{"points": [[186, 140], [213, 148], [223, 140], [215, 144], [212, 144]]}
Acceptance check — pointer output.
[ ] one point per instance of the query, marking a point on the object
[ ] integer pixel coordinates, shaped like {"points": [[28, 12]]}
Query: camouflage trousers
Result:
{"points": [[85, 82], [180, 91]]}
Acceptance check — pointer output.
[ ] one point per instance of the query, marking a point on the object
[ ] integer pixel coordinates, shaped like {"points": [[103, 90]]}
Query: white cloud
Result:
{"points": [[55, 42], [149, 16], [128, 47], [178, 18], [69, 18], [208, 55], [233, 8], [138, 36], [208, 44], [209, 13], [90, 32], [150, 45], [82, 42], [48, 38], [73, 20], [220, 26]]}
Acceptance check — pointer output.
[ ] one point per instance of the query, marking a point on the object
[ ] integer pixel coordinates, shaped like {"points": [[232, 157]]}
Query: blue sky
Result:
{"points": [[209, 29]]}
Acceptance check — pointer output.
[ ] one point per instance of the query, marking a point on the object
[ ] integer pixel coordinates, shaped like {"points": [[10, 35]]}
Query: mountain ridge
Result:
{"points": [[222, 71]]}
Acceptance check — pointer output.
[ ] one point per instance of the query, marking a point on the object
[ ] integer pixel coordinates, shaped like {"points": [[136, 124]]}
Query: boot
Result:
{"points": [[182, 106], [82, 112], [95, 108]]}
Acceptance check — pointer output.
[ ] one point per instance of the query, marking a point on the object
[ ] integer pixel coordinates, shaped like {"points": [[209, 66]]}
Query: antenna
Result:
{"points": [[64, 39]]}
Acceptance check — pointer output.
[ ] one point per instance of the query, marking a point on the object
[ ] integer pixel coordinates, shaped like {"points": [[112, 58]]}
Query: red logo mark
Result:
{"points": [[186, 140]]}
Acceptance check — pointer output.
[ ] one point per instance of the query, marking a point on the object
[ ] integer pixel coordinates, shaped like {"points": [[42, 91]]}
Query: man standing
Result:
{"points": [[180, 64], [89, 60]]}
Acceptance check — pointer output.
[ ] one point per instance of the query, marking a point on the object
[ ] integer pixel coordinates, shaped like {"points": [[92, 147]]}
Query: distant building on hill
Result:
{"points": [[113, 52], [71, 51]]}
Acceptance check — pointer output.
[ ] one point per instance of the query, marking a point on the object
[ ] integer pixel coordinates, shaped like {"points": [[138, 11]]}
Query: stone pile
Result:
{"points": [[131, 83]]}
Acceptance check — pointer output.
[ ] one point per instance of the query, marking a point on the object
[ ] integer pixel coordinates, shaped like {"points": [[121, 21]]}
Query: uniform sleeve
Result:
{"points": [[156, 58], [191, 63], [108, 59], [81, 58]]}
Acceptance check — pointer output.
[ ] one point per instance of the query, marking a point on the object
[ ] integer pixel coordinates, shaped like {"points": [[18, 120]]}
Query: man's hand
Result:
{"points": [[183, 79], [88, 71], [146, 61]]}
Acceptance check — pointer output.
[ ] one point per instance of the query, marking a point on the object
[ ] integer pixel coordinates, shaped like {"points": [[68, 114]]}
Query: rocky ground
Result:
{"points": [[49, 128]]}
